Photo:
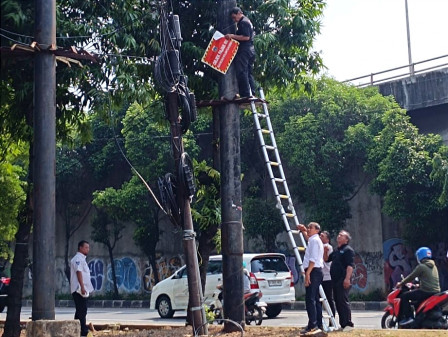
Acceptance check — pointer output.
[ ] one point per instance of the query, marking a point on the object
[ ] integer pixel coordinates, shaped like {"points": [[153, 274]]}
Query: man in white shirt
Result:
{"points": [[80, 284], [313, 263]]}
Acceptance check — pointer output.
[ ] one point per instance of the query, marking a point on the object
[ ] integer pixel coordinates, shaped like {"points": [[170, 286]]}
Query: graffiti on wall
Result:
{"points": [[126, 273], [96, 267], [359, 276], [165, 268], [397, 259]]}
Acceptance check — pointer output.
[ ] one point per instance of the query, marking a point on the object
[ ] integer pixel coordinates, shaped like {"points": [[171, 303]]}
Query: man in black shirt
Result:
{"points": [[341, 271], [245, 56]]}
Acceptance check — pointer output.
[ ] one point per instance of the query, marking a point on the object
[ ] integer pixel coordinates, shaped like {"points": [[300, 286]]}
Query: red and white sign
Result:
{"points": [[220, 52]]}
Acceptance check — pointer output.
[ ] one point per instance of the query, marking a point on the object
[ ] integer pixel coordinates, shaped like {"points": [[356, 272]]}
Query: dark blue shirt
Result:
{"points": [[245, 28], [341, 258]]}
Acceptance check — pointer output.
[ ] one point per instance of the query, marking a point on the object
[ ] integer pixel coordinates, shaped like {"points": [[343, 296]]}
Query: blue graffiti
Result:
{"points": [[96, 267], [126, 273]]}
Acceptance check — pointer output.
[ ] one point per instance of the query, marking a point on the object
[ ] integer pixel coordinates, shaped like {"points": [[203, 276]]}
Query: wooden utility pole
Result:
{"points": [[195, 315], [45, 162], [196, 312], [231, 211]]}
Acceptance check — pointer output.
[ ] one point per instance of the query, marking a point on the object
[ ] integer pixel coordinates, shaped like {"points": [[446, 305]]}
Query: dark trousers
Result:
{"points": [[244, 65], [312, 299], [81, 312], [413, 295], [328, 290], [342, 305]]}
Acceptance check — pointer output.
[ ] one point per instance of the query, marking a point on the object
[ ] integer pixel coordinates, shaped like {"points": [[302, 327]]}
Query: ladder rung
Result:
{"points": [[261, 115], [274, 163], [265, 131], [283, 196], [269, 147], [279, 180], [289, 215]]}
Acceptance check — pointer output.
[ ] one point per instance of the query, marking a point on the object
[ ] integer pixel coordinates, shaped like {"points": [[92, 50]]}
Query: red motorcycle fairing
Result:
{"points": [[389, 309], [433, 301], [397, 306]]}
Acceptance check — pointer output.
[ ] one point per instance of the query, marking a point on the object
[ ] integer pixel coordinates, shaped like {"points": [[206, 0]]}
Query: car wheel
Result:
{"points": [[273, 310], [164, 307]]}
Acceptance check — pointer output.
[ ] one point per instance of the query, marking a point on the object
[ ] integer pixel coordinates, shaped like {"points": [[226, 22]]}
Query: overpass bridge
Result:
{"points": [[421, 88]]}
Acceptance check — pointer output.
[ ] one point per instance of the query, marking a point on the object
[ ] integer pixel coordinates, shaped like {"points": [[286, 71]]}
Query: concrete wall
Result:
{"points": [[134, 274]]}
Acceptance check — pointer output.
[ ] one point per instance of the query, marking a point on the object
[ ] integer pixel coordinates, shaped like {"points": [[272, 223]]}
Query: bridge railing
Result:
{"points": [[399, 72]]}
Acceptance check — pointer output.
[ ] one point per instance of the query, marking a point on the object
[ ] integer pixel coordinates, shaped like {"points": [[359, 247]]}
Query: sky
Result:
{"points": [[360, 37]]}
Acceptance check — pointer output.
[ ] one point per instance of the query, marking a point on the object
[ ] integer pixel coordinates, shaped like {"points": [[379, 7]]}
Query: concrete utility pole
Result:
{"points": [[45, 162], [231, 212]]}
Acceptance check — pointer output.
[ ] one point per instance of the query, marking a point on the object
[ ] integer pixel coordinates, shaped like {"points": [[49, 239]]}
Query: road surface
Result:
{"points": [[363, 319]]}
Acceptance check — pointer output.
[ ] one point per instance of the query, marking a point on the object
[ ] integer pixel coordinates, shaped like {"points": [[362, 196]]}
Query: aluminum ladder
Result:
{"points": [[281, 190]]}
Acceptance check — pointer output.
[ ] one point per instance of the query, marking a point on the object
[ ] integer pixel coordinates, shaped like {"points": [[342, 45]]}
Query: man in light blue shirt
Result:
{"points": [[312, 263]]}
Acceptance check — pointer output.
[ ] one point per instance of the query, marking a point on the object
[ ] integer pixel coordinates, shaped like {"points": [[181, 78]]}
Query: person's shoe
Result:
{"points": [[406, 321], [310, 331], [348, 328]]}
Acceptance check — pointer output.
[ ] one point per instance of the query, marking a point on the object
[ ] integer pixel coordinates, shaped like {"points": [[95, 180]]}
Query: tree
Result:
{"points": [[342, 137], [206, 212], [284, 34], [326, 145], [263, 221], [12, 193], [107, 230], [412, 188]]}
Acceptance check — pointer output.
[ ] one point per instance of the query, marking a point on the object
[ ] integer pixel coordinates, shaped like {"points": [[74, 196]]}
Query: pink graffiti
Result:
{"points": [[359, 276]]}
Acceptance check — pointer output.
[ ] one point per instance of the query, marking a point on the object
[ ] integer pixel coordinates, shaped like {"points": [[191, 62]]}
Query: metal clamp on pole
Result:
{"points": [[189, 234], [196, 308]]}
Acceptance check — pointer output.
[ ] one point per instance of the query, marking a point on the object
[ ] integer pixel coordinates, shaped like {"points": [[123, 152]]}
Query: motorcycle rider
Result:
{"points": [[427, 273], [246, 279]]}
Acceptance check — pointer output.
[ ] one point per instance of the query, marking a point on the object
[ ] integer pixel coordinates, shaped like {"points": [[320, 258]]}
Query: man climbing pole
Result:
{"points": [[245, 56]]}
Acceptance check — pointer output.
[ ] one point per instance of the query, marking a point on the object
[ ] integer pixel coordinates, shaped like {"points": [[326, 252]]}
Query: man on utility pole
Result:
{"points": [[231, 227]]}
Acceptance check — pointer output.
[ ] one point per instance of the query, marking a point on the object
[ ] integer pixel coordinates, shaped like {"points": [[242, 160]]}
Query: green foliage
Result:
{"points": [[12, 195], [262, 220], [340, 137], [206, 210], [410, 175], [325, 140], [440, 173], [284, 33]]}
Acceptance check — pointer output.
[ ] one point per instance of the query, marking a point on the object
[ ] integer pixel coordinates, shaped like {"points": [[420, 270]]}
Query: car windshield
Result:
{"points": [[268, 264]]}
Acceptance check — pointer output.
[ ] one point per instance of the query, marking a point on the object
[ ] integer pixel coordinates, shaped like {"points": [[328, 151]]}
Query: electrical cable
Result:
{"points": [[16, 41], [186, 175], [132, 166]]}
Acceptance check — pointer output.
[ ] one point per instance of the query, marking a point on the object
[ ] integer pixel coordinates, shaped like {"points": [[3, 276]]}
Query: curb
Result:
{"points": [[297, 305], [372, 305]]}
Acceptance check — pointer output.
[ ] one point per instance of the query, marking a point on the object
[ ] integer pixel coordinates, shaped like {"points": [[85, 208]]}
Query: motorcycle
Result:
{"points": [[4, 285], [253, 307], [432, 313], [216, 304]]}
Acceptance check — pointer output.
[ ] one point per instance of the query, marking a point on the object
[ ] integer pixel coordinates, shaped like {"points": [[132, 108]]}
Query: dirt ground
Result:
{"points": [[273, 331], [215, 331]]}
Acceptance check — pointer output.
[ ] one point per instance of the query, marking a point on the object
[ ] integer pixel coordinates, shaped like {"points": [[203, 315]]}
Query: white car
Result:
{"points": [[268, 273]]}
